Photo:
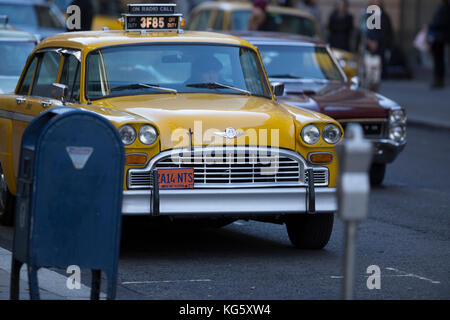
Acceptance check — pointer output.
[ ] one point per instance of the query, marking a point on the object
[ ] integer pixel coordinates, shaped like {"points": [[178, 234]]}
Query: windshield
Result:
{"points": [[298, 62], [284, 23], [152, 69], [31, 15], [13, 55]]}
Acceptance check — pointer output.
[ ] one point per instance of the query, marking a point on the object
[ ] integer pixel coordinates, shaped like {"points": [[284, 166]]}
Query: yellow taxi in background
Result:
{"points": [[106, 13], [234, 16], [204, 136]]}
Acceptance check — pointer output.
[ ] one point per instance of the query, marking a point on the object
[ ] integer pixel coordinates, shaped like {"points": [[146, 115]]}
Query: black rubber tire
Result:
{"points": [[377, 173], [310, 231], [7, 202]]}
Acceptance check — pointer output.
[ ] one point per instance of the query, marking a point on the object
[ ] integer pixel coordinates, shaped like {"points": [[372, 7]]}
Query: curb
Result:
{"points": [[49, 281], [433, 124]]}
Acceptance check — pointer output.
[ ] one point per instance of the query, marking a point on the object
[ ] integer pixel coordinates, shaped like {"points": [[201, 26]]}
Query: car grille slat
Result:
{"points": [[240, 170], [371, 129]]}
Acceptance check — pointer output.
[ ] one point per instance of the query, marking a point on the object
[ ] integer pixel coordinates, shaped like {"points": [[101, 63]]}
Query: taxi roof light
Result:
{"points": [[152, 17]]}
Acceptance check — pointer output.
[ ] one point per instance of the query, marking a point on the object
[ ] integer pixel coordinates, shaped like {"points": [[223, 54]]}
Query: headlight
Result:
{"points": [[128, 134], [342, 63], [310, 134], [331, 134], [148, 134], [397, 133], [397, 116]]}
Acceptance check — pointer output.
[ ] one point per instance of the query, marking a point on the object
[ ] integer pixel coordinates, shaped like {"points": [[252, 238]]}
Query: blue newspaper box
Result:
{"points": [[69, 199]]}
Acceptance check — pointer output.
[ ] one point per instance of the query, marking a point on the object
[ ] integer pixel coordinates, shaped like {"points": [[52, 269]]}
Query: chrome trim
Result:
{"points": [[237, 202], [256, 150], [389, 142], [16, 116]]}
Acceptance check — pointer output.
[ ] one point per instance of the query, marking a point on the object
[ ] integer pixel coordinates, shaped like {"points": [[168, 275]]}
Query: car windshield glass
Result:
{"points": [[13, 56], [283, 23], [296, 62], [30, 16], [185, 68]]}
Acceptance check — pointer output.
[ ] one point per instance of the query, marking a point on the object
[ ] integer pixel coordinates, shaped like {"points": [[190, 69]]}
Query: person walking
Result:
{"points": [[260, 20], [340, 26], [439, 35], [311, 7]]}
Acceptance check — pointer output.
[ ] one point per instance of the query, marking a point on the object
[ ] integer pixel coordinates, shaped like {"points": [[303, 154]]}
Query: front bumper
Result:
{"points": [[386, 151], [229, 202]]}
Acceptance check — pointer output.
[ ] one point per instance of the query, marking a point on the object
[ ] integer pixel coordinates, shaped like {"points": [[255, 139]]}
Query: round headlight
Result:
{"points": [[397, 133], [331, 134], [397, 116], [128, 134], [148, 134], [310, 134]]}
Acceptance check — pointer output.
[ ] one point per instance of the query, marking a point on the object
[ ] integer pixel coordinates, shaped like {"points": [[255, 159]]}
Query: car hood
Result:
{"points": [[337, 100], [207, 114]]}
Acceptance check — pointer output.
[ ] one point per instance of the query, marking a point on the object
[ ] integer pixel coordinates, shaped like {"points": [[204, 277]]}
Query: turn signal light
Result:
{"points": [[320, 157], [135, 159], [183, 22]]}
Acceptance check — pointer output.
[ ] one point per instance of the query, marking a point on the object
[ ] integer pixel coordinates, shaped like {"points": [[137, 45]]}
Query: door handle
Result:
{"points": [[46, 103], [20, 100]]}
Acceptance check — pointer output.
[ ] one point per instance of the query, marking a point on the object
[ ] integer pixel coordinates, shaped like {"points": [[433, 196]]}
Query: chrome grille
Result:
{"points": [[237, 169], [371, 129]]}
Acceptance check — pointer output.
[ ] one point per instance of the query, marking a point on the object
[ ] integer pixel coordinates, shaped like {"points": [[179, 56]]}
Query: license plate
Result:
{"points": [[180, 178]]}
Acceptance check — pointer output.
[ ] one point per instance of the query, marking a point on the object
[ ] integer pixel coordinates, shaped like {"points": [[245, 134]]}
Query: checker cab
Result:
{"points": [[203, 133]]}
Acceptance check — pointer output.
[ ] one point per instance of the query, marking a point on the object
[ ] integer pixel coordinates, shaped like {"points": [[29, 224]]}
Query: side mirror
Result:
{"points": [[355, 82], [59, 92], [277, 88]]}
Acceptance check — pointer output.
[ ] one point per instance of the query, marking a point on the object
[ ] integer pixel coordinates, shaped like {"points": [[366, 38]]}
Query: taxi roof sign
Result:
{"points": [[152, 8], [152, 17]]}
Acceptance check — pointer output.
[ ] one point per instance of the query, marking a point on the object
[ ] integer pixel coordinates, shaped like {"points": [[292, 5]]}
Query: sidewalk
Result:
{"points": [[52, 284], [424, 106]]}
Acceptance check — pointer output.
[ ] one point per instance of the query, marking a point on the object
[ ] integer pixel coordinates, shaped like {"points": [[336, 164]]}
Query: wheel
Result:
{"points": [[310, 231], [7, 202], [377, 172]]}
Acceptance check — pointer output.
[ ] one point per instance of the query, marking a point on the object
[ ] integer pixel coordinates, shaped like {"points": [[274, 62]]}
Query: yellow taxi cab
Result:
{"points": [[203, 134], [234, 16]]}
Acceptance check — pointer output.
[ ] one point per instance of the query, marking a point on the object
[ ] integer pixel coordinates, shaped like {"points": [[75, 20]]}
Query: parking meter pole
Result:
{"points": [[354, 157], [349, 260]]}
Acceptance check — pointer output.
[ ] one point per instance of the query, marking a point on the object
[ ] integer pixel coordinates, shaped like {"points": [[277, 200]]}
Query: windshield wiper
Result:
{"points": [[216, 85], [286, 76], [143, 85]]}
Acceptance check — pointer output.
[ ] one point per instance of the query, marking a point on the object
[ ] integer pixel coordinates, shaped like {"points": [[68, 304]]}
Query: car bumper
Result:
{"points": [[386, 151], [229, 202]]}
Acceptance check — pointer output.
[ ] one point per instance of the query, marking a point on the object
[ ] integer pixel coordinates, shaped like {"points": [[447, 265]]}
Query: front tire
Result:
{"points": [[377, 173], [310, 231], [7, 202]]}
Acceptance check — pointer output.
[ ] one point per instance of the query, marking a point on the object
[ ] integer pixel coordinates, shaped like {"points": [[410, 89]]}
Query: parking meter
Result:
{"points": [[69, 199], [355, 156], [353, 188]]}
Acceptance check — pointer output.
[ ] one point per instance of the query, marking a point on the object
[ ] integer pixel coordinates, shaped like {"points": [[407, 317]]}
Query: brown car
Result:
{"points": [[313, 79]]}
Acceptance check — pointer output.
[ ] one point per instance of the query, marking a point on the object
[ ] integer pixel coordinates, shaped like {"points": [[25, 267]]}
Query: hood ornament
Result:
{"points": [[230, 133]]}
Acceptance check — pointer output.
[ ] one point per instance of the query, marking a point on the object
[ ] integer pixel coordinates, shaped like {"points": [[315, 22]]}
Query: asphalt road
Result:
{"points": [[407, 235]]}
